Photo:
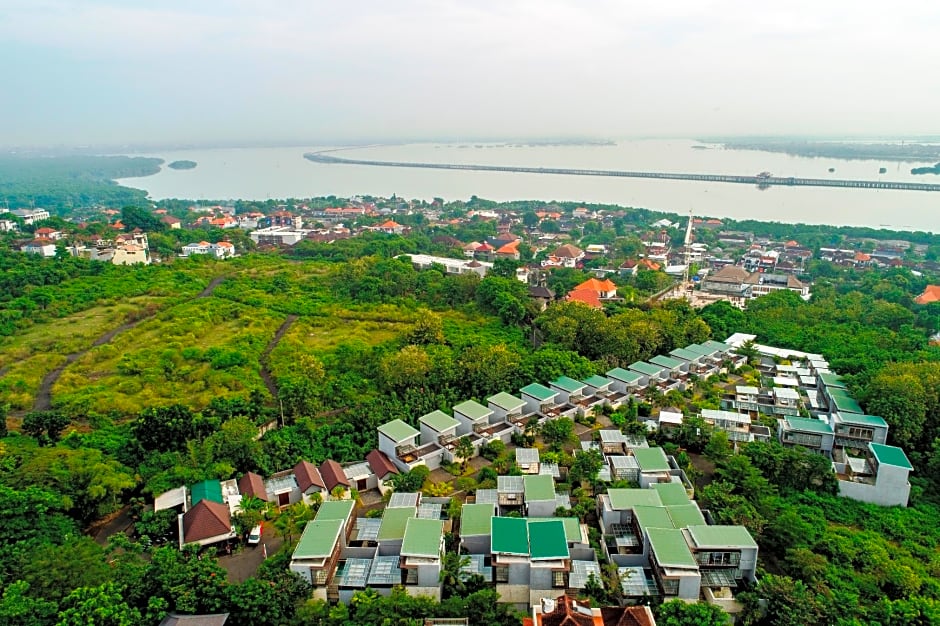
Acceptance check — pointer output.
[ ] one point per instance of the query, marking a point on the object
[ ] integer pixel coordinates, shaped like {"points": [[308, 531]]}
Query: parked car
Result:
{"points": [[254, 537]]}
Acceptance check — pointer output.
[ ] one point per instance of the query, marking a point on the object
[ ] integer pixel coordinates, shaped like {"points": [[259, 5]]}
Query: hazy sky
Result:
{"points": [[122, 71]]}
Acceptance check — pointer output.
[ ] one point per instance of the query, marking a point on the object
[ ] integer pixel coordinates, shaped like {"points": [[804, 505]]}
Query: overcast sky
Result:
{"points": [[204, 71]]}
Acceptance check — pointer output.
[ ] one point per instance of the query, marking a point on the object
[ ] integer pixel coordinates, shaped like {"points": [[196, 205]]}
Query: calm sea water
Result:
{"points": [[261, 173]]}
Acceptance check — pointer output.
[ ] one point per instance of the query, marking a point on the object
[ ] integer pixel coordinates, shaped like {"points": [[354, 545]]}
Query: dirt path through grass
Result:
{"points": [[43, 401], [265, 372]]}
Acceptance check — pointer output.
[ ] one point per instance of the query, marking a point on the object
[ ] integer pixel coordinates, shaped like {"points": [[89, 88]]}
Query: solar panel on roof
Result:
{"points": [[403, 499], [368, 528], [385, 571], [430, 510], [580, 573], [633, 581], [355, 573], [487, 496]]}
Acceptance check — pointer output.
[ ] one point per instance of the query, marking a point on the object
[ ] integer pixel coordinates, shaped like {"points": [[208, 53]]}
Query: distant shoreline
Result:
{"points": [[913, 152]]}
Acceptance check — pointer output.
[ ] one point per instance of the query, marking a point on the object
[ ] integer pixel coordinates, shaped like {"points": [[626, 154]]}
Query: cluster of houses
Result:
{"points": [[517, 535], [814, 410]]}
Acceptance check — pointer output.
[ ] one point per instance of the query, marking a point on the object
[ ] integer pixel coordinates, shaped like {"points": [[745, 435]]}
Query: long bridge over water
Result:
{"points": [[760, 180]]}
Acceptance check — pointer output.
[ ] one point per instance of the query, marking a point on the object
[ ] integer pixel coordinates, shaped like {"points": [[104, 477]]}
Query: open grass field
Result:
{"points": [[27, 357], [188, 353]]}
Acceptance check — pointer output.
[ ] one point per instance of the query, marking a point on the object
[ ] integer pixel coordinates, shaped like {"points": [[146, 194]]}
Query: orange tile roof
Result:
{"points": [[862, 257], [650, 265], [510, 248], [585, 296], [390, 224], [594, 284], [931, 294]]}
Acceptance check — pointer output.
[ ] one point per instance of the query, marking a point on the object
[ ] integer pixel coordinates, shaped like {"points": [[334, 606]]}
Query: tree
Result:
{"points": [[748, 350], [587, 464], [428, 329], [102, 606], [718, 447], [558, 432], [464, 450], [89, 483], [45, 426], [530, 219], [4, 411], [167, 427], [133, 217], [20, 608], [236, 444], [680, 613], [454, 574], [410, 481]]}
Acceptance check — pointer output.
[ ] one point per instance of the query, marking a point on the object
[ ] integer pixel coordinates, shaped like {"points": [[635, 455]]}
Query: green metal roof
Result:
{"points": [[336, 509], [506, 401], [509, 535], [717, 345], [598, 382], [671, 493], [700, 349], [890, 455], [653, 517], [862, 419], [318, 539], [665, 361], [843, 402], [572, 526], [721, 537], [568, 384], [808, 425], [474, 410], [684, 515], [422, 537], [646, 368], [475, 519], [547, 540], [832, 380], [397, 430], [651, 459], [439, 421], [624, 375], [394, 521], [539, 487], [669, 547], [686, 355], [206, 490], [539, 392], [623, 499]]}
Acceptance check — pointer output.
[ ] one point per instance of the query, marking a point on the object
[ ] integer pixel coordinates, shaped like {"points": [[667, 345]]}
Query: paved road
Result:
{"points": [[244, 563]]}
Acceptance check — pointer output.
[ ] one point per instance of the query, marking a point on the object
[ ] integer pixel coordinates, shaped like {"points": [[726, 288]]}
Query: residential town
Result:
{"points": [[520, 536]]}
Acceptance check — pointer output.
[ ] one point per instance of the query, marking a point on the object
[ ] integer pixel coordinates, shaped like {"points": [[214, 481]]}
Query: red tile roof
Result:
{"points": [[206, 519], [333, 475], [931, 294], [381, 464], [629, 616], [252, 484], [308, 476]]}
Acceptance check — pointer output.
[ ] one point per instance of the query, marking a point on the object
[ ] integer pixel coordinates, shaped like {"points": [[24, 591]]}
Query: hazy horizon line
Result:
{"points": [[145, 146]]}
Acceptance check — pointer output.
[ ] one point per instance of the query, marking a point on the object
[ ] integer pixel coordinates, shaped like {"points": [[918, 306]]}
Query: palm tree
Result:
{"points": [[453, 572], [464, 450]]}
